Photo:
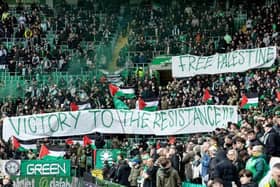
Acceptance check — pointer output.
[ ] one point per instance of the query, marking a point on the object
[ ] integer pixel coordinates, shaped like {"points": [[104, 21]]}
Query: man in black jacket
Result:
{"points": [[150, 174], [174, 157], [271, 141], [123, 173], [226, 170]]}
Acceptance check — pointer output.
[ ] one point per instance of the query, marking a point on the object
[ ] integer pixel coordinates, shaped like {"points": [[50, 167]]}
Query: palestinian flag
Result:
{"points": [[74, 106], [70, 141], [51, 153], [278, 95], [88, 142], [115, 79], [206, 98], [115, 91], [249, 101], [119, 104], [151, 105], [23, 146], [83, 106]]}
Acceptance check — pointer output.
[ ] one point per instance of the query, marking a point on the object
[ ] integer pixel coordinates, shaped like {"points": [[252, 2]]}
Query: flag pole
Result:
{"points": [[94, 157]]}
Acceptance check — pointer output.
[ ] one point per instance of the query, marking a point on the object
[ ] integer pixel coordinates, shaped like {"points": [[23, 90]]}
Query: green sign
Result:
{"points": [[38, 181], [58, 167], [105, 154]]}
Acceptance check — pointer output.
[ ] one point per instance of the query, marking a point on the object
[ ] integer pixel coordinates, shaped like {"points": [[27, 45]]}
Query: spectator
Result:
{"points": [[213, 162], [196, 167], [99, 141], [187, 162], [246, 179], [135, 173], [205, 160], [275, 176], [106, 170], [7, 182], [267, 178], [257, 163], [3, 55], [31, 155], [270, 141], [252, 139], [174, 157], [150, 174], [82, 163], [216, 183], [166, 175], [113, 171], [225, 169], [123, 173]]}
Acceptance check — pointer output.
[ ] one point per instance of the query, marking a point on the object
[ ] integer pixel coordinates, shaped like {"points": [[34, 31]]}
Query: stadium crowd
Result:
{"points": [[243, 154], [192, 28]]}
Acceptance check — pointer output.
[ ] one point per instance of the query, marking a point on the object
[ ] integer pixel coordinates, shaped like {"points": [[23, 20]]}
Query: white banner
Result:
{"points": [[236, 61], [165, 122]]}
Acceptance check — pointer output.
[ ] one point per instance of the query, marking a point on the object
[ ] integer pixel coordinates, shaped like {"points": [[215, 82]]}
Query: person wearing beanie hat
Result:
{"points": [[135, 172]]}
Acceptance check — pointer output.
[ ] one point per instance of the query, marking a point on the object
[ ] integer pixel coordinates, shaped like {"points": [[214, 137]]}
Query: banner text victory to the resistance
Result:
{"points": [[235, 61], [165, 122]]}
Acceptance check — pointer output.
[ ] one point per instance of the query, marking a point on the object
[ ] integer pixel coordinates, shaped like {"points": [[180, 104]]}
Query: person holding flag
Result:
{"points": [[207, 97]]}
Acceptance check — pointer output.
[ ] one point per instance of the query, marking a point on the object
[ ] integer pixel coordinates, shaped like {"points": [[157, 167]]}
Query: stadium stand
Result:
{"points": [[64, 59]]}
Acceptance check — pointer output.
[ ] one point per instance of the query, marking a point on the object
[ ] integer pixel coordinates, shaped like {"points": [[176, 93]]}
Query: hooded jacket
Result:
{"points": [[258, 166], [151, 180], [168, 177], [134, 174]]}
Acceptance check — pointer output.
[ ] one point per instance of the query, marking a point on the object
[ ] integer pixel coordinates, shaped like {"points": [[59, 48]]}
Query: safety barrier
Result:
{"points": [[38, 181], [189, 184]]}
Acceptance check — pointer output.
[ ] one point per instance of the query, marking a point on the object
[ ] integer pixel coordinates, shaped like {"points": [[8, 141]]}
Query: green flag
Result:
{"points": [[161, 60], [119, 104], [105, 154]]}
